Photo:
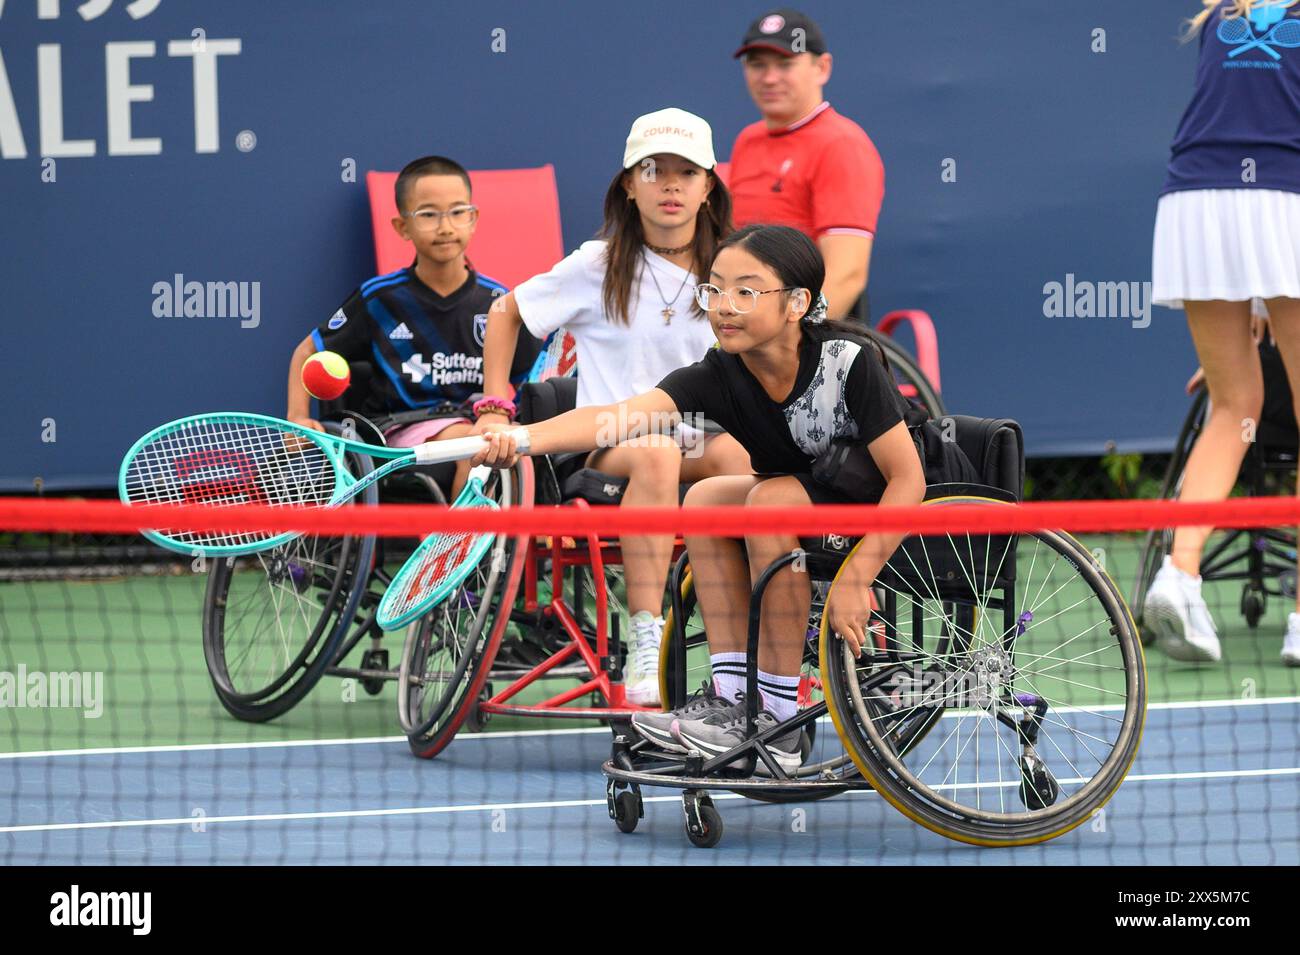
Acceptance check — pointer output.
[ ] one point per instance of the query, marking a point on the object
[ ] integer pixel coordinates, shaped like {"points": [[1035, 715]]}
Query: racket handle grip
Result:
{"points": [[459, 449]]}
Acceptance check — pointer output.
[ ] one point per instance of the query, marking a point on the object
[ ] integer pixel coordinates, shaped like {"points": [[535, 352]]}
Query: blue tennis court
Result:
{"points": [[1213, 784]]}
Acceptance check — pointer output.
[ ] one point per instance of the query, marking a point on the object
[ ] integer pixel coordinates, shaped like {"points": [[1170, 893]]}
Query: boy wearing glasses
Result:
{"points": [[421, 328]]}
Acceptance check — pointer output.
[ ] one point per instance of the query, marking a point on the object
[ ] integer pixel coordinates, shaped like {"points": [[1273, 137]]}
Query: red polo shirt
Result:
{"points": [[821, 175]]}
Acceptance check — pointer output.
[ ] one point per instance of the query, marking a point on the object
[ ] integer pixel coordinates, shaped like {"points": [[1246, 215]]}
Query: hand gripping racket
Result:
{"points": [[229, 458], [440, 564]]}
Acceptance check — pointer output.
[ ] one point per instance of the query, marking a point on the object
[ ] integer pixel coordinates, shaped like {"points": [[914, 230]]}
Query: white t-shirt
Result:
{"points": [[617, 361]]}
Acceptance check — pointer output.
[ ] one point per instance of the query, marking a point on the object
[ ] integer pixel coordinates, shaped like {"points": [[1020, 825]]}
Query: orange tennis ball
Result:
{"points": [[326, 375]]}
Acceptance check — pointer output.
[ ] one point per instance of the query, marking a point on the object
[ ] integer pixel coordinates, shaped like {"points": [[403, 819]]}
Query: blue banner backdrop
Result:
{"points": [[148, 140]]}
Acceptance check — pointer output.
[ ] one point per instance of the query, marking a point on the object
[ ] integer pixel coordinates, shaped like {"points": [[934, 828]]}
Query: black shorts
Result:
{"points": [[819, 493]]}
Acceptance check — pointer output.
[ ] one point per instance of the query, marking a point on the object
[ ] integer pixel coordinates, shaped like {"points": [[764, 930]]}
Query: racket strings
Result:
{"points": [[1286, 33], [442, 561], [1235, 30], [225, 462]]}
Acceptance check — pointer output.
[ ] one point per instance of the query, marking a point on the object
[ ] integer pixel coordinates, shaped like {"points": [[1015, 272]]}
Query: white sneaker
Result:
{"points": [[1291, 645], [1176, 613], [641, 675]]}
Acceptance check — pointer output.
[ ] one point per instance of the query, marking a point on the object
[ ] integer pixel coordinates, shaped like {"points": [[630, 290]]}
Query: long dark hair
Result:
{"points": [[625, 237], [797, 264]]}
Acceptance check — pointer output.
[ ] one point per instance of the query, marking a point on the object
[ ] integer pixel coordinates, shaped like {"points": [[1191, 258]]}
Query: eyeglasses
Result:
{"points": [[426, 220], [742, 298]]}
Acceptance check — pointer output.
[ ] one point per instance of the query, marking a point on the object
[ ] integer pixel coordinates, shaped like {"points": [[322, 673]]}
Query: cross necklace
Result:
{"points": [[668, 310]]}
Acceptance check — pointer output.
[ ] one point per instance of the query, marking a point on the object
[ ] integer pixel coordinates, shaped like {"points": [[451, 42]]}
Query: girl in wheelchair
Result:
{"points": [[626, 299], [787, 385]]}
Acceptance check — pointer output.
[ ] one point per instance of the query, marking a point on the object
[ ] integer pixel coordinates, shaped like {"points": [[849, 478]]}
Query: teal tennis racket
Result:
{"points": [[230, 458], [440, 564]]}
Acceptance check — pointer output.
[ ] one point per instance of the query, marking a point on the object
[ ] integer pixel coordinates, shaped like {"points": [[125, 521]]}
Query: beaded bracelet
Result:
{"points": [[493, 404]]}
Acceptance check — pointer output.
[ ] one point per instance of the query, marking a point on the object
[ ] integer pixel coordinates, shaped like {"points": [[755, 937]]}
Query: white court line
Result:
{"points": [[540, 804], [569, 731]]}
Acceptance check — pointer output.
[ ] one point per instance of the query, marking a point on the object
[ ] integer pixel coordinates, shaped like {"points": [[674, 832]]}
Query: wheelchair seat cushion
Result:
{"points": [[540, 400], [597, 487]]}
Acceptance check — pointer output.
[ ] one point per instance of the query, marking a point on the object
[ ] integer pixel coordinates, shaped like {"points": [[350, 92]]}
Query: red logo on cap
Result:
{"points": [[772, 23]]}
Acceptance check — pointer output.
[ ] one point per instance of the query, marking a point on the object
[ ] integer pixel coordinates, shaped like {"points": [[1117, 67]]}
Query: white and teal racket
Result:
{"points": [[440, 564], [230, 458]]}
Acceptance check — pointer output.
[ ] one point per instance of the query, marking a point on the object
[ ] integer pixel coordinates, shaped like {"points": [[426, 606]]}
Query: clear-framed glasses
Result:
{"points": [[426, 220], [742, 298]]}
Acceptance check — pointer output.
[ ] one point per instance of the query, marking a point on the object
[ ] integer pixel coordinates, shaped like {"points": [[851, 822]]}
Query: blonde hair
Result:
{"points": [[1240, 8]]}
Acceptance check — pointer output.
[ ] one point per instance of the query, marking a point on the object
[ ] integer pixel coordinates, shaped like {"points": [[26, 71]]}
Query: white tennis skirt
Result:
{"points": [[1227, 245]]}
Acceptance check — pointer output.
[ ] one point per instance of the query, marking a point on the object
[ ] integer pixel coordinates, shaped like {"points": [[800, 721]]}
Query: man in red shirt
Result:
{"points": [[803, 164]]}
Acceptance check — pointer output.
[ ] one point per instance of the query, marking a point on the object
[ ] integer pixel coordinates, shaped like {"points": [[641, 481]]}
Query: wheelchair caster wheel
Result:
{"points": [[1038, 788], [625, 805], [477, 720], [703, 821], [374, 660], [1252, 606], [628, 811]]}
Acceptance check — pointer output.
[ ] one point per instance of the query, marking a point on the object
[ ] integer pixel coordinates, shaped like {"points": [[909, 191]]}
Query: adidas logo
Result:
{"points": [[401, 333]]}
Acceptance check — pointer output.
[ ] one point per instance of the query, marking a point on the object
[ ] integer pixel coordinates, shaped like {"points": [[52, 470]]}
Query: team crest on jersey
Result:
{"points": [[480, 328], [337, 321]]}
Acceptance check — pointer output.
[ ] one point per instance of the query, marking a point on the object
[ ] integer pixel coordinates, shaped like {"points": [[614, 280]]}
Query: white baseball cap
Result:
{"points": [[673, 131]]}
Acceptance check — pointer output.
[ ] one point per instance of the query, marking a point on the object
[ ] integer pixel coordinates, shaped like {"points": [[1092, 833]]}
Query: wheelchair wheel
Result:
{"points": [[684, 667], [1160, 541], [1019, 653], [448, 653], [908, 375], [273, 622]]}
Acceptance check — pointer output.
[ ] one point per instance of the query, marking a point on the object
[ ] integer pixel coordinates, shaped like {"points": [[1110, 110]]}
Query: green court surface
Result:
{"points": [[143, 633]]}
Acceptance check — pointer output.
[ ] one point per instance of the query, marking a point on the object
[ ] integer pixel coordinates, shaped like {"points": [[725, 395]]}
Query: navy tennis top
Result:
{"points": [[1246, 105]]}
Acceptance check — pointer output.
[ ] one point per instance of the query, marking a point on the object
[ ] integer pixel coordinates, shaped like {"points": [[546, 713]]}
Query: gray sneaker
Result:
{"points": [[724, 729], [658, 727]]}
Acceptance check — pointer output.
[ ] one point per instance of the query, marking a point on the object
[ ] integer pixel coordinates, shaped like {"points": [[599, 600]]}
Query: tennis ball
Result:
{"points": [[326, 375]]}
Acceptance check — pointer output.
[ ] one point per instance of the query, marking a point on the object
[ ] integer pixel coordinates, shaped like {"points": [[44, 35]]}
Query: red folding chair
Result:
{"points": [[518, 231]]}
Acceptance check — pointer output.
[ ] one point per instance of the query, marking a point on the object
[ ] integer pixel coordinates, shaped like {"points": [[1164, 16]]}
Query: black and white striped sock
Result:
{"points": [[780, 694], [728, 674]]}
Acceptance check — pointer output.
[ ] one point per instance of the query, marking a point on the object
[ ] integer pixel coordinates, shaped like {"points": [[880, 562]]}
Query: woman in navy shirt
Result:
{"points": [[1227, 242]]}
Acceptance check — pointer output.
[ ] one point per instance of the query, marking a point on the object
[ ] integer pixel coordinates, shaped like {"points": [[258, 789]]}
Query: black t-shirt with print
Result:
{"points": [[843, 389]]}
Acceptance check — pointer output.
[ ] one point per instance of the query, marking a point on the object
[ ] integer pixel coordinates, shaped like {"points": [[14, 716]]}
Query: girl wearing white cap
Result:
{"points": [[628, 299]]}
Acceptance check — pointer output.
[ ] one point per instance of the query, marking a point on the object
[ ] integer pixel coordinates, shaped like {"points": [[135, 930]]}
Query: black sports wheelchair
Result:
{"points": [[275, 623], [1263, 558], [1001, 704]]}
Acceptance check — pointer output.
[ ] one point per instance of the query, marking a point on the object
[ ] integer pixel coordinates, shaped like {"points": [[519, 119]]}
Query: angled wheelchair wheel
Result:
{"points": [[684, 667], [1008, 701], [909, 377], [449, 652], [273, 622]]}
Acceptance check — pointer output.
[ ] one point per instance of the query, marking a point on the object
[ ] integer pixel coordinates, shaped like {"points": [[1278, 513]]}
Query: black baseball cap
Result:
{"points": [[785, 31]]}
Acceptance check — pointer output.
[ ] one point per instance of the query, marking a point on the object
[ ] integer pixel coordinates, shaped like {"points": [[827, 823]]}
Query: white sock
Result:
{"points": [[780, 694], [728, 674]]}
